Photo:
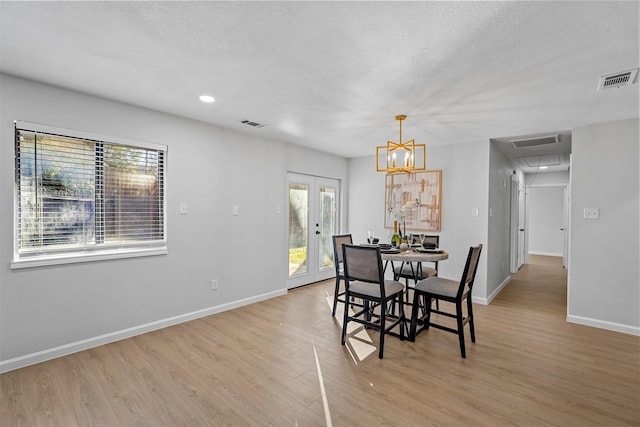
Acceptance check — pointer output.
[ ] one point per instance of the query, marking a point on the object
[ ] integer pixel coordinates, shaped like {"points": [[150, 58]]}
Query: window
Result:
{"points": [[80, 196]]}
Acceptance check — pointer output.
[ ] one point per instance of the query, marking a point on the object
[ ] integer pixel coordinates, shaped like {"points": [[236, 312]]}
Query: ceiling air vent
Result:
{"points": [[624, 78], [535, 141], [546, 160], [250, 123]]}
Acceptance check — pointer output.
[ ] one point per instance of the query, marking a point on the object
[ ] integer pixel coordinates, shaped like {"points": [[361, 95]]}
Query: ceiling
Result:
{"points": [[537, 153], [333, 75]]}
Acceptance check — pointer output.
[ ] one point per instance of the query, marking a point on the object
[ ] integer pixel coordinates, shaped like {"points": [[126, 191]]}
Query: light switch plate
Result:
{"points": [[236, 210], [475, 212], [183, 208], [591, 213]]}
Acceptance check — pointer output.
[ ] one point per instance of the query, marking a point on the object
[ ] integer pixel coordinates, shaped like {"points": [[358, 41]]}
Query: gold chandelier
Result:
{"points": [[401, 156]]}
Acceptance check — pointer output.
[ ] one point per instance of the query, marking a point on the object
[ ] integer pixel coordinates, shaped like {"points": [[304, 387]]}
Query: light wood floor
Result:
{"points": [[255, 366]]}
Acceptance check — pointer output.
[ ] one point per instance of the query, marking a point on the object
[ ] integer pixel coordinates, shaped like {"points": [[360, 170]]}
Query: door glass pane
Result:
{"points": [[298, 213], [327, 218]]}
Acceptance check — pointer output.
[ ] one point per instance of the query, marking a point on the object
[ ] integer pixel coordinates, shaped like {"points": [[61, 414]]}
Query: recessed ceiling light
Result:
{"points": [[207, 98], [544, 167]]}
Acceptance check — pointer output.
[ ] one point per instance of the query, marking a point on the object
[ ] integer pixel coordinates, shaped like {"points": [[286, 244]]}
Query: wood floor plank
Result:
{"points": [[256, 366]]}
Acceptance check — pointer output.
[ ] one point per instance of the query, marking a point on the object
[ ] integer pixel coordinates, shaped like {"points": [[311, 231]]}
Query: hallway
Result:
{"points": [[540, 286]]}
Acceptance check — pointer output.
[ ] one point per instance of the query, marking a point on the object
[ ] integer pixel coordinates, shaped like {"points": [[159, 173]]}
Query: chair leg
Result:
{"points": [[335, 297], [427, 306], [382, 326], [414, 316], [345, 318], [391, 307], [403, 319], [472, 329], [459, 320]]}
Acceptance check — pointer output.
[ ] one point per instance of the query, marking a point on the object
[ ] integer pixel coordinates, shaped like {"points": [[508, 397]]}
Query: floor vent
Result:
{"points": [[250, 123], [534, 142], [625, 78]]}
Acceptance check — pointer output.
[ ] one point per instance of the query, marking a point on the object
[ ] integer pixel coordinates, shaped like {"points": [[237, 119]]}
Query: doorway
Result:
{"points": [[547, 208], [312, 219]]}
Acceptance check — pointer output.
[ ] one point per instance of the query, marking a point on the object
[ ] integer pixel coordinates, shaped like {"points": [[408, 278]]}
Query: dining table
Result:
{"points": [[414, 254]]}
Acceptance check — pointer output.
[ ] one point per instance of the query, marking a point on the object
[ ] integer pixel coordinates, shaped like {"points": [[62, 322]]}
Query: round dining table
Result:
{"points": [[414, 255], [411, 255]]}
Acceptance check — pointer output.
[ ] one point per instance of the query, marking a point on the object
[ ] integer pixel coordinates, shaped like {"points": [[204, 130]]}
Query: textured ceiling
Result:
{"points": [[332, 75]]}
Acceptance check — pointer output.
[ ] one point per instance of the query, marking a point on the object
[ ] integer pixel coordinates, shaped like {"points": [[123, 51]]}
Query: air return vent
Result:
{"points": [[534, 142], [624, 78], [252, 124], [546, 160]]}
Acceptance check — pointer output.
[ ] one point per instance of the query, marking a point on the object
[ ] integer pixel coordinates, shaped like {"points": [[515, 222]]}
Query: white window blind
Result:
{"points": [[77, 194]]}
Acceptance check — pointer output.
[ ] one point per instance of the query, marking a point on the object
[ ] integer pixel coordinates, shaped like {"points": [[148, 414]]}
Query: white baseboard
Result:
{"points": [[602, 324], [63, 350], [487, 301]]}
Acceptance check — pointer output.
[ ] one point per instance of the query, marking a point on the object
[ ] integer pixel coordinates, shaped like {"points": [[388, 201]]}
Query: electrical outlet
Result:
{"points": [[591, 213], [214, 284]]}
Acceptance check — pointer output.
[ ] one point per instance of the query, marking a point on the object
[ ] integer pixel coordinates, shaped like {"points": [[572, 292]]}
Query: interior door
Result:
{"points": [[514, 225], [518, 236], [565, 230], [523, 244], [313, 218]]}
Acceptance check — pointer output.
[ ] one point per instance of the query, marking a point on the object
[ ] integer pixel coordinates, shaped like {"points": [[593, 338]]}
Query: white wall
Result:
{"points": [[604, 279], [547, 178], [48, 311], [464, 186], [499, 230]]}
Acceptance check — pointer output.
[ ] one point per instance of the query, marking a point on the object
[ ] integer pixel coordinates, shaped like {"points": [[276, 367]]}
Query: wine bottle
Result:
{"points": [[395, 238]]}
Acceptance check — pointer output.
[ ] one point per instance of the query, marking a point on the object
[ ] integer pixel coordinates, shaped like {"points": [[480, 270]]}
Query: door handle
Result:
{"points": [[317, 232], [522, 229]]}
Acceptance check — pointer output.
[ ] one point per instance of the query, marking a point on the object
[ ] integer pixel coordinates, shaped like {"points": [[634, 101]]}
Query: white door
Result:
{"points": [[518, 235], [514, 234], [313, 218], [565, 229], [523, 244]]}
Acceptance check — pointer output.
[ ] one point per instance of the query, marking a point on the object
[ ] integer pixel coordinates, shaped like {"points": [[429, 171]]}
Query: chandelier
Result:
{"points": [[401, 156]]}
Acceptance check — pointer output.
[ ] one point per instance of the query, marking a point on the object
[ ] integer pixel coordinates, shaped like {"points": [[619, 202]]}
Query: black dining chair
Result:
{"points": [[409, 271], [451, 291], [364, 279], [338, 241]]}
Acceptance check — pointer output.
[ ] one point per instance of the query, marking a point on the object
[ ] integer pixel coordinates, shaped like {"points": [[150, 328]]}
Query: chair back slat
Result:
{"points": [[363, 263], [338, 241], [469, 274]]}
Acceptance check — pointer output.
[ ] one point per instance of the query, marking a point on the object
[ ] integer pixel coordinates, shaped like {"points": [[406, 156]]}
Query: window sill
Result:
{"points": [[58, 259]]}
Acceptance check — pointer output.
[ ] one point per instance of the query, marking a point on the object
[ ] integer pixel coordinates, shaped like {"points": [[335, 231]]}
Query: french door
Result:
{"points": [[313, 219]]}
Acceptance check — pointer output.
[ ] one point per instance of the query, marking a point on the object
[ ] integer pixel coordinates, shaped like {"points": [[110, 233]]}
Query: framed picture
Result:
{"points": [[414, 200]]}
